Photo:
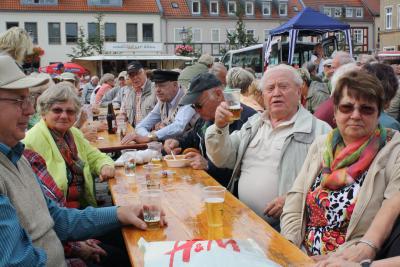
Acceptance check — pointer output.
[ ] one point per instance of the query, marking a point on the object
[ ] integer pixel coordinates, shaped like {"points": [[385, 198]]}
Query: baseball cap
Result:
{"points": [[160, 76], [198, 85], [122, 74], [67, 76], [328, 62], [133, 67], [11, 76]]}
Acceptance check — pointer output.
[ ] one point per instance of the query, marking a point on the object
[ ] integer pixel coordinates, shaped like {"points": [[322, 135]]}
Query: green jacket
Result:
{"points": [[40, 140]]}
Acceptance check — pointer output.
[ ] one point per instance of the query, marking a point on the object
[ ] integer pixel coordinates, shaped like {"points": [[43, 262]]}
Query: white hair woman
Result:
{"points": [[70, 158], [107, 83]]}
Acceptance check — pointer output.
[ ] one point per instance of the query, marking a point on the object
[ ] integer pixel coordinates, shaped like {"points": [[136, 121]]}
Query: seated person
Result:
{"points": [[168, 118], [70, 158], [268, 151], [205, 94], [347, 174]]}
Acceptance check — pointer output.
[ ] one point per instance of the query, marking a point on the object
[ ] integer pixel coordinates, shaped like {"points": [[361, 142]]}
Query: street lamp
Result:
{"points": [[184, 33]]}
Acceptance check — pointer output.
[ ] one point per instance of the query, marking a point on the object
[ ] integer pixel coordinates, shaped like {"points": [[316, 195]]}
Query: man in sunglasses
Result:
{"points": [[269, 150], [168, 118], [32, 225], [205, 94]]}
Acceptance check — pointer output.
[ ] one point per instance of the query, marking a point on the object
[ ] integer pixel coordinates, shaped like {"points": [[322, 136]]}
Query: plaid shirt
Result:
{"points": [[51, 190]]}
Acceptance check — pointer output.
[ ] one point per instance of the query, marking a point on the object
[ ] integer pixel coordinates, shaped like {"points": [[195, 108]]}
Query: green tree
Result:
{"points": [[82, 48], [240, 38], [97, 41]]}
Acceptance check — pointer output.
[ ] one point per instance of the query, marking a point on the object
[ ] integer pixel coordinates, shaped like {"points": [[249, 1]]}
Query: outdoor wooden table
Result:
{"points": [[186, 216], [112, 142]]}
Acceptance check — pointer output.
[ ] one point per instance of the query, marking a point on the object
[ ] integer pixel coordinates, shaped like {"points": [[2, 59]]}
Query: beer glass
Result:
{"points": [[214, 197], [151, 202], [153, 175], [157, 147], [232, 97], [129, 156]]}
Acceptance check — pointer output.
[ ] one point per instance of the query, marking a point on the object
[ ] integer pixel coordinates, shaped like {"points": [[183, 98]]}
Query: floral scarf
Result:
{"points": [[342, 165], [74, 165]]}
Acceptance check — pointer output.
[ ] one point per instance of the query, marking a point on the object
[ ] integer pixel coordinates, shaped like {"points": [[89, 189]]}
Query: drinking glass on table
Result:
{"points": [[129, 156], [151, 202], [232, 98], [157, 147], [152, 175], [214, 197], [121, 125]]}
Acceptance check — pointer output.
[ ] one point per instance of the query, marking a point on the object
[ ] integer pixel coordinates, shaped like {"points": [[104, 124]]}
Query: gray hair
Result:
{"points": [[206, 59], [106, 78], [17, 43], [342, 57], [342, 70], [296, 78], [238, 77], [59, 93], [219, 70], [94, 78]]}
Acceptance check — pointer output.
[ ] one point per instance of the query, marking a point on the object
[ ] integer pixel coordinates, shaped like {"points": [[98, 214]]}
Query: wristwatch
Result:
{"points": [[366, 263], [152, 136]]}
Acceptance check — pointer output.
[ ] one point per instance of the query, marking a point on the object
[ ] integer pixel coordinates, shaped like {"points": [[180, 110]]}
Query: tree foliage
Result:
{"points": [[82, 48]]}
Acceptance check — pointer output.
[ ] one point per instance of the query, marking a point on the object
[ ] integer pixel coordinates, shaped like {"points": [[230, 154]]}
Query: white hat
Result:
{"points": [[11, 76], [327, 62], [67, 76]]}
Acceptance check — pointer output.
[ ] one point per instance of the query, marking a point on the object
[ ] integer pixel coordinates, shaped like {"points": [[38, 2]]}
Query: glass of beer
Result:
{"points": [[214, 197], [232, 97], [151, 202], [157, 155], [152, 175]]}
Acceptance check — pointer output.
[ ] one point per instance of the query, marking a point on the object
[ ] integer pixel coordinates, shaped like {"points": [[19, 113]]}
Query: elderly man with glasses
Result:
{"points": [[267, 153], [205, 94]]}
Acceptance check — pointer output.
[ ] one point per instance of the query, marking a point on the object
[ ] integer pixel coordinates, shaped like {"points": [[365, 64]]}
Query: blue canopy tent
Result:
{"points": [[308, 22]]}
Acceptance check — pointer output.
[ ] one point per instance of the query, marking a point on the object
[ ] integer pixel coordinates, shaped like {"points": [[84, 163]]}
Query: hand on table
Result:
{"points": [[136, 138], [197, 161], [172, 144], [133, 215], [356, 253], [275, 207], [106, 172], [336, 262]]}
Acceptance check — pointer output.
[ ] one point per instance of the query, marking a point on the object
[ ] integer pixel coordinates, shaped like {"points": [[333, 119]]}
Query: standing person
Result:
{"points": [[88, 89], [203, 65], [107, 83], [318, 57], [32, 225], [205, 94], [168, 118], [269, 150], [139, 101], [347, 175]]}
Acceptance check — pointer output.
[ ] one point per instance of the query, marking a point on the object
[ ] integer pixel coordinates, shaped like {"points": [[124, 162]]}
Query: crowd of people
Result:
{"points": [[315, 153]]}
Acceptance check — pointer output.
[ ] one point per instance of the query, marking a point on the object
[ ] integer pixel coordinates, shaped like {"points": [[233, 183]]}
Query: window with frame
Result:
{"points": [[388, 18], [11, 24], [359, 12], [110, 32], [282, 9], [178, 35], [54, 33], [215, 35], [31, 28], [148, 34], [71, 32], [349, 12], [249, 8], [338, 12], [196, 35], [328, 11], [266, 8], [358, 36], [93, 33], [250, 32], [131, 32], [231, 8], [214, 8], [266, 34], [196, 7], [39, 2]]}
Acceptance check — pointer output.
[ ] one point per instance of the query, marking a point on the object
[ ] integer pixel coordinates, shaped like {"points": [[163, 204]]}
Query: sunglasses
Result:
{"points": [[59, 111], [363, 109]]}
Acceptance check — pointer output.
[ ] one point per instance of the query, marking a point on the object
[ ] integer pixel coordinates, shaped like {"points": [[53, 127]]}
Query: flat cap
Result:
{"points": [[160, 76], [198, 85]]}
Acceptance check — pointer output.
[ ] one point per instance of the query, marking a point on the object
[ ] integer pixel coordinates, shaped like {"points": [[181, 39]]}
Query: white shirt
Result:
{"points": [[259, 178]]}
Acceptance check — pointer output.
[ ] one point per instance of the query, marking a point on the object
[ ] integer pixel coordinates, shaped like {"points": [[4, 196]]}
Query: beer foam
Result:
{"points": [[214, 200]]}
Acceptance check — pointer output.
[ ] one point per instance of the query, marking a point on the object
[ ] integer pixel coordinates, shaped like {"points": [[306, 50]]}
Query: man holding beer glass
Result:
{"points": [[270, 148]]}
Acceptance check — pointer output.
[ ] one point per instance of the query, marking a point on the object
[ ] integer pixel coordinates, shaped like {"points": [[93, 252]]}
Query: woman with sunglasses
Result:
{"points": [[347, 174], [70, 158]]}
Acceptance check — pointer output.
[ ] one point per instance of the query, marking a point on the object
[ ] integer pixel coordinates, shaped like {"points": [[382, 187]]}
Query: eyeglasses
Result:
{"points": [[198, 106], [363, 109], [23, 103], [59, 111]]}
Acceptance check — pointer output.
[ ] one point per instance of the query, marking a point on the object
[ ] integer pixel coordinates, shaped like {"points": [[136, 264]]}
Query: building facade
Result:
{"points": [[389, 33]]}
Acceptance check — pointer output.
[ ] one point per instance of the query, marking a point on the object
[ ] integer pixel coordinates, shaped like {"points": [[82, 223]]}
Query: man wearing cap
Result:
{"points": [[267, 153], [139, 101], [88, 89], [168, 118], [119, 91], [32, 225], [203, 65], [205, 94]]}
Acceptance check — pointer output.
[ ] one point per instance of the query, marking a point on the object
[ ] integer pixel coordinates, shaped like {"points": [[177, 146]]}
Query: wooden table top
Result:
{"points": [[112, 142], [186, 217]]}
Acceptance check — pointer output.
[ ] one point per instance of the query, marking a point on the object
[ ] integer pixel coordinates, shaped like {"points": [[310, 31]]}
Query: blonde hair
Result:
{"points": [[17, 43], [238, 77]]}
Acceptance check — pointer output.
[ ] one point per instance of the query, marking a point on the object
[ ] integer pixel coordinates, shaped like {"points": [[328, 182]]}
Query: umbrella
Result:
{"points": [[68, 67]]}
